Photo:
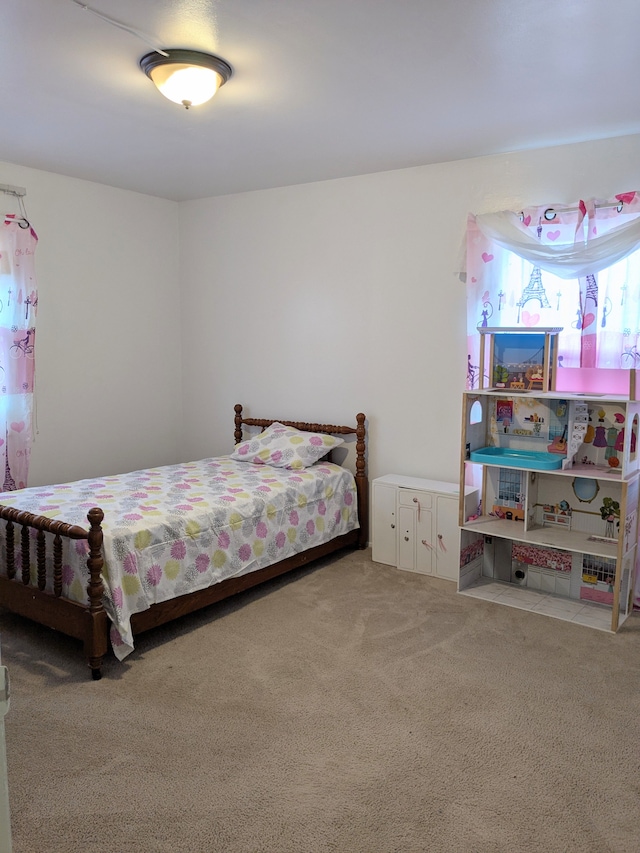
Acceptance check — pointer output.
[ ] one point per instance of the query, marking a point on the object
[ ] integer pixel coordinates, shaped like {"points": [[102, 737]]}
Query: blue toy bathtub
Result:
{"points": [[538, 460]]}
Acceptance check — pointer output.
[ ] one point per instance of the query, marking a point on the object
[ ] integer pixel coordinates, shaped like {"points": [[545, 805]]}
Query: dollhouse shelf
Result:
{"points": [[539, 460], [546, 537], [595, 472], [521, 374]]}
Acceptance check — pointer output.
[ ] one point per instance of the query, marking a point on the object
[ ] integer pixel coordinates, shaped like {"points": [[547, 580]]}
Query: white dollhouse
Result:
{"points": [[558, 474]]}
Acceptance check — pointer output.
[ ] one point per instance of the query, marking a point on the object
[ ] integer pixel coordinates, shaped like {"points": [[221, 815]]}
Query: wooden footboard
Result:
{"points": [[39, 595], [31, 566]]}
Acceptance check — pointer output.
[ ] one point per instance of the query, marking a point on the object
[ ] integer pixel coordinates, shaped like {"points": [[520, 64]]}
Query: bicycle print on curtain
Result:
{"points": [[572, 266], [18, 306]]}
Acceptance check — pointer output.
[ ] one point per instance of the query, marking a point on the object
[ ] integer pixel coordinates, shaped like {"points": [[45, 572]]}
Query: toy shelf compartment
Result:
{"points": [[561, 538], [520, 358], [525, 360], [594, 437], [545, 506]]}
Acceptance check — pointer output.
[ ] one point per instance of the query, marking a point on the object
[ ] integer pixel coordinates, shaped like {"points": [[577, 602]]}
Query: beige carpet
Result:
{"points": [[349, 708]]}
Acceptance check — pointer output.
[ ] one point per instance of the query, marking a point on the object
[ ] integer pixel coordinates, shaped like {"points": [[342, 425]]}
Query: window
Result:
{"points": [[510, 487], [576, 268]]}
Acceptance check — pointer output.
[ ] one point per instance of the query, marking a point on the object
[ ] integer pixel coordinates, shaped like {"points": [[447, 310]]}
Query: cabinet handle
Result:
{"points": [[406, 538], [416, 501], [393, 527], [443, 547]]}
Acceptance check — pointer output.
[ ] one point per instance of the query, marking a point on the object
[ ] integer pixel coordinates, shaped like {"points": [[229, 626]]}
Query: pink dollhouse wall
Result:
{"points": [[592, 380]]}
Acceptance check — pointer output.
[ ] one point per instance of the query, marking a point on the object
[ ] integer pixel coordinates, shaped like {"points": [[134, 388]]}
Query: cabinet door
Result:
{"points": [[447, 538], [415, 546], [384, 532]]}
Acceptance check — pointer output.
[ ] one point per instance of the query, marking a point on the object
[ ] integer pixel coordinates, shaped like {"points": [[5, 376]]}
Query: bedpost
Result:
{"points": [[362, 482], [238, 422], [96, 639]]}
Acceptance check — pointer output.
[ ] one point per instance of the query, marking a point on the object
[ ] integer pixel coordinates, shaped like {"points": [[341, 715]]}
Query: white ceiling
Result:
{"points": [[321, 88]]}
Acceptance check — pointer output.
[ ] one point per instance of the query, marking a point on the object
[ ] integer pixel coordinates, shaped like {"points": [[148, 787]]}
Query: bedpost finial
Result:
{"points": [[95, 516], [237, 434]]}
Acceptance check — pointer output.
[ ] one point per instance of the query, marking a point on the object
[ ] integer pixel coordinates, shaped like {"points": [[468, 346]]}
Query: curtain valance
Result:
{"points": [[574, 267], [590, 253]]}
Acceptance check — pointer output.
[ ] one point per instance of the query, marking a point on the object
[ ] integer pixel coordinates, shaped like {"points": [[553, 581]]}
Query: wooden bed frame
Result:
{"points": [[89, 622]]}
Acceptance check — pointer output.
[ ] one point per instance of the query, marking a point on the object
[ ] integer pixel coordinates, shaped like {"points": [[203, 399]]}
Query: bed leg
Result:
{"points": [[96, 668], [94, 650]]}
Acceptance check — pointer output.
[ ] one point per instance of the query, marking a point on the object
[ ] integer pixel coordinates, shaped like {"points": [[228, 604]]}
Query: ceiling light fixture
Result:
{"points": [[186, 77]]}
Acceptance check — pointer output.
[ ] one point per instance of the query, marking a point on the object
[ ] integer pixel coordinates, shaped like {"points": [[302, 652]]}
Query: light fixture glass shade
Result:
{"points": [[186, 83], [186, 77]]}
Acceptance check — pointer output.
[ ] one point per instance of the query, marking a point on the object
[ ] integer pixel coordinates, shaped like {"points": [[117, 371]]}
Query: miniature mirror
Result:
{"points": [[585, 489]]}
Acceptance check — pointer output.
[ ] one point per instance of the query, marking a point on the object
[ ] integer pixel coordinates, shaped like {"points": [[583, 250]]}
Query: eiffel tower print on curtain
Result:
{"points": [[9, 484], [534, 290], [591, 293]]}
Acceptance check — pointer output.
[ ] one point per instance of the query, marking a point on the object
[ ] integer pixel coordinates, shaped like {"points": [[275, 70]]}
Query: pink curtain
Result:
{"points": [[574, 266], [18, 307]]}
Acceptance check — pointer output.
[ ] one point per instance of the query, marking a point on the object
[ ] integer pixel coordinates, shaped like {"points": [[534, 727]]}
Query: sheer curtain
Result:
{"points": [[18, 307], [572, 266]]}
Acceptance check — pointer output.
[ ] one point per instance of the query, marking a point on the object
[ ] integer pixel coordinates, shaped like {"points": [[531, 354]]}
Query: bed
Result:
{"points": [[167, 541]]}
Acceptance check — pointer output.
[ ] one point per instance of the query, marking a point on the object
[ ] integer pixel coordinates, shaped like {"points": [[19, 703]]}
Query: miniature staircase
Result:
{"points": [[577, 428]]}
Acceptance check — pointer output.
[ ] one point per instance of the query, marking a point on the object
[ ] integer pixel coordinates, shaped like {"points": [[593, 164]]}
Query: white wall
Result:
{"points": [[315, 302], [311, 302], [108, 363]]}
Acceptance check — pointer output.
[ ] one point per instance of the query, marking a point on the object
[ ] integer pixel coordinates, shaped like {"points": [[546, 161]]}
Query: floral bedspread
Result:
{"points": [[178, 528]]}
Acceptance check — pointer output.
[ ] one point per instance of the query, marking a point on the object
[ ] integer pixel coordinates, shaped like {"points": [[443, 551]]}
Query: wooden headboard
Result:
{"points": [[359, 430]]}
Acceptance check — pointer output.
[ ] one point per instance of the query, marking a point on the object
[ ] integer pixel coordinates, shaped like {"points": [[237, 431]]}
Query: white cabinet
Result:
{"points": [[415, 524]]}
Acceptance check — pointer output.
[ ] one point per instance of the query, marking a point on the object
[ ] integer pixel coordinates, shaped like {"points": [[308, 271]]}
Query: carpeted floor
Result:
{"points": [[349, 708]]}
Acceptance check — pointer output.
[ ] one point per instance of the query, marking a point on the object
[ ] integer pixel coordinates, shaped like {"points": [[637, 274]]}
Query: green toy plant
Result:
{"points": [[610, 512], [500, 374]]}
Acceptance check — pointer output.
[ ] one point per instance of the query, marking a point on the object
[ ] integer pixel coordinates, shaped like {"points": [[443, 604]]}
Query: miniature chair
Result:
{"points": [[535, 377]]}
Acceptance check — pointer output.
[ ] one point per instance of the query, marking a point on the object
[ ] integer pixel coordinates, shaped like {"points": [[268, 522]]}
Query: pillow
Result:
{"points": [[285, 447]]}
